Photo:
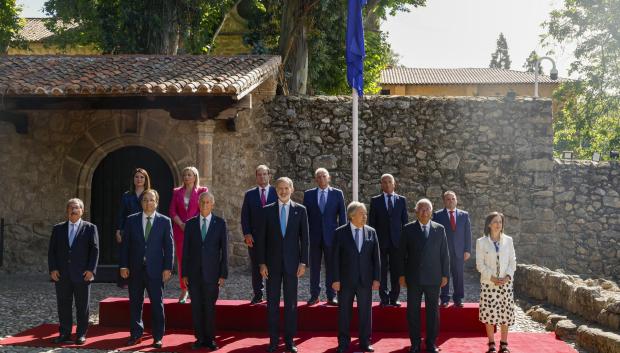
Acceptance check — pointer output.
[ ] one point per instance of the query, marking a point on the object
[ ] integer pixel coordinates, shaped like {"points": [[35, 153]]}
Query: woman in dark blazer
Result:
{"points": [[130, 204]]}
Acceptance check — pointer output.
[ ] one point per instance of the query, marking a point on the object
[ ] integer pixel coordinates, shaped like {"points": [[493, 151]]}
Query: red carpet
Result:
{"points": [[111, 338], [237, 315]]}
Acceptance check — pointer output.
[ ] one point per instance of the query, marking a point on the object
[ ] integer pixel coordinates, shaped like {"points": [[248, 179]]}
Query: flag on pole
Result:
{"points": [[355, 52]]}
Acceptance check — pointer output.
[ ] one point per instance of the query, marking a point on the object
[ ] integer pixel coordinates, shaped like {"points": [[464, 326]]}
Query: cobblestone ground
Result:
{"points": [[29, 300]]}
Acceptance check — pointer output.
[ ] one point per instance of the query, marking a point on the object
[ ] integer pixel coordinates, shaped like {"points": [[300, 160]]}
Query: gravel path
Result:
{"points": [[29, 300]]}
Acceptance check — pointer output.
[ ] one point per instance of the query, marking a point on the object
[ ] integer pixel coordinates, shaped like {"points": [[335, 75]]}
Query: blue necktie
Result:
{"points": [[283, 220], [203, 229], [390, 204], [425, 232], [322, 201], [71, 235], [357, 239]]}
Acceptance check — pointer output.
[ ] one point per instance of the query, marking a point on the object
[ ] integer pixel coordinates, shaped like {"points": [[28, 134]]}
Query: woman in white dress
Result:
{"points": [[496, 262]]}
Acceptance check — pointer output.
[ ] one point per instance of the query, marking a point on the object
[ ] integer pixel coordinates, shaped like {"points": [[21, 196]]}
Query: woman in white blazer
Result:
{"points": [[496, 262]]}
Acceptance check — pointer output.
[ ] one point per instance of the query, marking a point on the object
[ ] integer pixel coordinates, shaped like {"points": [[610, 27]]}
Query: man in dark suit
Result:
{"points": [[205, 267], [254, 200], [388, 214], [326, 211], [72, 259], [458, 231], [424, 269], [357, 268], [282, 249], [147, 254]]}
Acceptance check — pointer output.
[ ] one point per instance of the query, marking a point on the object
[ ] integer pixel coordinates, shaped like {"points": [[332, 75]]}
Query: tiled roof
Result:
{"points": [[418, 76], [131, 75], [34, 29]]}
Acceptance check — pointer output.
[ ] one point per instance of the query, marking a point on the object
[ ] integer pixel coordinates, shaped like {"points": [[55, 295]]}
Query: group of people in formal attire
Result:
{"points": [[360, 251]]}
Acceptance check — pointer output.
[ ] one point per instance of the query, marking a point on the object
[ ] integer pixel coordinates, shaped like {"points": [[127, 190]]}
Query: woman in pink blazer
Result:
{"points": [[184, 205]]}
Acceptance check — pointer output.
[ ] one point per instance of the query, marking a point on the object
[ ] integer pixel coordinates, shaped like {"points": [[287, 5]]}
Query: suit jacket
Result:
{"points": [[157, 253], [486, 258], [424, 261], [352, 267], [205, 260], [459, 242], [324, 224], [177, 205], [251, 210], [72, 261], [388, 226], [283, 254]]}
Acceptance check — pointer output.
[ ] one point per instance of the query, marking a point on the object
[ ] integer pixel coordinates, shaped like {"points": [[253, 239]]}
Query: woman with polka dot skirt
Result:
{"points": [[496, 262]]}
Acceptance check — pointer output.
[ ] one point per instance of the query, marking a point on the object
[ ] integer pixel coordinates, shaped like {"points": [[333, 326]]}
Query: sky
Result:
{"points": [[456, 33]]}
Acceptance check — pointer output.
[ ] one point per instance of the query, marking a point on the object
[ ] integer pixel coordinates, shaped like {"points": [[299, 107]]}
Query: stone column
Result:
{"points": [[205, 151]]}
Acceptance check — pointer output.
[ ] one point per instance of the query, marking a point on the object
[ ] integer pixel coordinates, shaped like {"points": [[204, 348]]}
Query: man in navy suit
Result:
{"points": [[326, 211], [147, 253], [205, 267], [458, 231], [251, 214], [388, 214], [282, 249], [357, 268], [424, 268], [72, 259]]}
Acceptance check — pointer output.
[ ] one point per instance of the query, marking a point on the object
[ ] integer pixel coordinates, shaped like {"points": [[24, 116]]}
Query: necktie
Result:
{"points": [[283, 220], [322, 201], [357, 240], [390, 205], [425, 232], [203, 229], [147, 230], [452, 221], [263, 199], [71, 235]]}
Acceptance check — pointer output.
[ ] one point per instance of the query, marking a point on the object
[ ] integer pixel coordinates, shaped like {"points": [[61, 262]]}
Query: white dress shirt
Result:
{"points": [[76, 226], [385, 199], [287, 208], [202, 221], [361, 233], [318, 195], [144, 220], [266, 188]]}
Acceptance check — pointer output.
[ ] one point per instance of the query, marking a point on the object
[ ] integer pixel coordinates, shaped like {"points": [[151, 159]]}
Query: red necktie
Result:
{"points": [[452, 221], [263, 200]]}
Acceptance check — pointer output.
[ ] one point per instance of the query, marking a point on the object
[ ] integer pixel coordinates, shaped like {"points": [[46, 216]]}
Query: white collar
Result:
{"points": [[284, 204], [353, 228], [77, 224], [208, 218]]}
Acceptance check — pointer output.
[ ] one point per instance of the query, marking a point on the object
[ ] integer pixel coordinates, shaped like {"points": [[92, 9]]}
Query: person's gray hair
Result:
{"points": [[449, 192], [423, 202], [77, 201], [320, 170], [284, 180], [208, 194], [386, 175], [262, 167], [353, 207]]}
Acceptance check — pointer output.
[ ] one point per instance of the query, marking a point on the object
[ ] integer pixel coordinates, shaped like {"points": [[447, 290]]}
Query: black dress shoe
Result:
{"points": [[157, 344], [458, 304], [197, 345], [211, 345], [290, 347], [332, 302], [342, 349], [272, 347], [257, 299], [395, 303], [62, 339], [134, 340], [313, 300], [367, 348], [80, 340], [384, 303], [432, 348], [415, 348], [444, 304]]}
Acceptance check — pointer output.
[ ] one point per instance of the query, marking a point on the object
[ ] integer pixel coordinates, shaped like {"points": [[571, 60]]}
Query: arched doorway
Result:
{"points": [[111, 178]]}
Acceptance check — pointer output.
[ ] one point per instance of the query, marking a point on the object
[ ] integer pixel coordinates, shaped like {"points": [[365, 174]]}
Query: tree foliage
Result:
{"points": [[530, 63], [589, 118], [142, 27], [10, 25], [500, 59]]}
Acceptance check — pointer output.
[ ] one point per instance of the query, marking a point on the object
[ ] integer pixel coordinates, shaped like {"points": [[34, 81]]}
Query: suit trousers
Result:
{"points": [[257, 279], [345, 310], [66, 292], [318, 251], [431, 299], [288, 283], [389, 258], [204, 295], [155, 289], [457, 265]]}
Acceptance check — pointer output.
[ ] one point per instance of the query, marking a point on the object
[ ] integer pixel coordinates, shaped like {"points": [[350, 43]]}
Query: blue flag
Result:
{"points": [[355, 52]]}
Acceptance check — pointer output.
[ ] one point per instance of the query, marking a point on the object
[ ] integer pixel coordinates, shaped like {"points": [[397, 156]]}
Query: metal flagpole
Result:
{"points": [[354, 147]]}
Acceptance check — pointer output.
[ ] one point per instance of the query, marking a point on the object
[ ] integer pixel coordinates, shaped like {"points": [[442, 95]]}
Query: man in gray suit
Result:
{"points": [[424, 269]]}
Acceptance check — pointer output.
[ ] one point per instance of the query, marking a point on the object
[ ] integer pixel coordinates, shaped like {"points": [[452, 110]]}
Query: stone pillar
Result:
{"points": [[205, 151]]}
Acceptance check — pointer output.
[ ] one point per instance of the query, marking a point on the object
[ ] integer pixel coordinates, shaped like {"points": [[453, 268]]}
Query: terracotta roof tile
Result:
{"points": [[134, 74], [34, 29], [419, 76]]}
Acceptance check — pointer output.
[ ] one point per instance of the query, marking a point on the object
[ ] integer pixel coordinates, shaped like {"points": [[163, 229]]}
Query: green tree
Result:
{"points": [[500, 59], [10, 25], [530, 63], [589, 118], [138, 26]]}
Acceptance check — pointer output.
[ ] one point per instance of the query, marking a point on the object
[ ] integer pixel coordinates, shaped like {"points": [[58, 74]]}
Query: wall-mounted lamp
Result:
{"points": [[567, 155], [596, 157]]}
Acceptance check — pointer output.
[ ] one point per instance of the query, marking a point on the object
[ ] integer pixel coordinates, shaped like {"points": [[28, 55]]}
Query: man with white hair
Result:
{"points": [[424, 269]]}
